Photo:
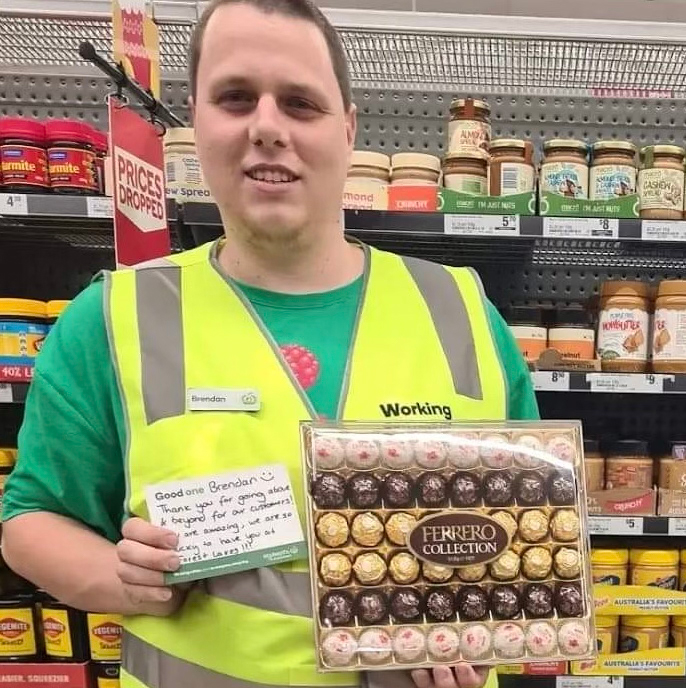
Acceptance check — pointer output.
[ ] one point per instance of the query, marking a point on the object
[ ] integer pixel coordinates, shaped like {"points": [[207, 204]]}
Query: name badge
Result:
{"points": [[209, 399]]}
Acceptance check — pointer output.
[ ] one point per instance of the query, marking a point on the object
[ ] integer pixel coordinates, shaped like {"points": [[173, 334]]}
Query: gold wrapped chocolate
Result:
{"points": [[404, 568], [533, 525], [335, 569], [471, 574], [332, 530], [370, 568], [506, 566], [399, 526], [367, 529], [536, 563], [565, 525], [435, 573], [566, 562], [507, 521]]}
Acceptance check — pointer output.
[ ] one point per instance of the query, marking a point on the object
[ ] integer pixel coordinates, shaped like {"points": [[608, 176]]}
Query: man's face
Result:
{"points": [[272, 133]]}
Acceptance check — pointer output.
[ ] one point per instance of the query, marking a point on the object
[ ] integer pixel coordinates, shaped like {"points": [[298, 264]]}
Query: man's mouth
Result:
{"points": [[271, 174]]}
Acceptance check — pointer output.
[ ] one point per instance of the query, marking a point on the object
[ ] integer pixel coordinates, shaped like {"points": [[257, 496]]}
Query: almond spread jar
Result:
{"points": [[512, 168], [669, 333], [613, 170], [629, 465], [624, 326], [607, 634], [415, 169], [661, 182], [594, 464], [564, 170], [609, 566], [470, 125], [638, 633], [466, 172], [370, 166], [657, 568]]}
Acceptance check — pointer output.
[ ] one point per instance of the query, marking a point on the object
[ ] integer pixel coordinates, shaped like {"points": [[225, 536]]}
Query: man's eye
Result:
{"points": [[297, 103], [235, 98]]}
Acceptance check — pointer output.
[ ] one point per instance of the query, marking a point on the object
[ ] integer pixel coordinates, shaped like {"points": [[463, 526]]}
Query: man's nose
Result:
{"points": [[267, 128]]}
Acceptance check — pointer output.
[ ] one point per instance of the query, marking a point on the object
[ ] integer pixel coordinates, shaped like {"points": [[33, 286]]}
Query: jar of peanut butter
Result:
{"points": [[658, 568], [564, 170], [666, 466], [466, 172], [526, 326], [415, 169], [512, 168], [678, 631], [370, 166], [624, 326], [610, 566], [682, 570], [594, 466], [607, 634], [661, 182], [572, 334], [613, 170], [470, 125], [669, 331], [628, 464], [637, 633]]}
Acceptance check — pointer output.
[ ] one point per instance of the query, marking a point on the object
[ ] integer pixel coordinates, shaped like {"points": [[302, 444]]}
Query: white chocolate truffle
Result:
{"points": [[524, 458], [496, 452], [573, 638], [475, 642], [430, 453], [463, 450], [443, 644], [362, 454], [540, 639], [409, 645], [329, 453], [508, 640], [397, 454], [561, 448], [374, 646], [339, 648]]}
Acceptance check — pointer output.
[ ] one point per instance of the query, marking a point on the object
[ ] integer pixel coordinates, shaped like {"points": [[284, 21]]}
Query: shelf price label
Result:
{"points": [[589, 682], [100, 207], [580, 227], [631, 383], [5, 394], [663, 230], [482, 225], [677, 526], [550, 380], [18, 373], [615, 525], [13, 204]]}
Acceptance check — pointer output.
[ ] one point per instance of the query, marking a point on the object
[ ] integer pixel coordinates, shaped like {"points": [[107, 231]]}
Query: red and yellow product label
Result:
{"points": [[104, 636], [17, 633], [23, 164], [108, 682], [71, 167], [56, 632]]}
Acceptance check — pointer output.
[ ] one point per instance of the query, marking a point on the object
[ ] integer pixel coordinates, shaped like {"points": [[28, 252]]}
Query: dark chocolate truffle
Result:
{"points": [[561, 488], [472, 603], [363, 491], [432, 490], [406, 605], [336, 609], [538, 600], [530, 489], [505, 602], [568, 600], [398, 490], [465, 490], [498, 487], [371, 608], [440, 604], [328, 491]]}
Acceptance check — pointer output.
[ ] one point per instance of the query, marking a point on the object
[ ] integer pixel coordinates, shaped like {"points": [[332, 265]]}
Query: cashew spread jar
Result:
{"points": [[512, 169], [623, 327], [564, 170], [661, 182], [613, 170], [466, 172], [415, 169], [669, 333], [470, 125], [369, 166]]}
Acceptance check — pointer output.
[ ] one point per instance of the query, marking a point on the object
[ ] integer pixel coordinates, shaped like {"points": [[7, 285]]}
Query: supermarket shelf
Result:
{"points": [[13, 392], [519, 681], [636, 525], [623, 383]]}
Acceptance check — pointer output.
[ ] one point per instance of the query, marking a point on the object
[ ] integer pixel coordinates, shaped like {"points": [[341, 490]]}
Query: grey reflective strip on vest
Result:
{"points": [[265, 588], [451, 320], [157, 669], [160, 328]]}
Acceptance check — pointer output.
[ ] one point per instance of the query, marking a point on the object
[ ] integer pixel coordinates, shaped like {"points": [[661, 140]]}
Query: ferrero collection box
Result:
{"points": [[437, 543]]}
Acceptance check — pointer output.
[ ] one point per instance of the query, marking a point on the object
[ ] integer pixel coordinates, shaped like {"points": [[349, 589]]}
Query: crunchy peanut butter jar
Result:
{"points": [[628, 465], [415, 169]]}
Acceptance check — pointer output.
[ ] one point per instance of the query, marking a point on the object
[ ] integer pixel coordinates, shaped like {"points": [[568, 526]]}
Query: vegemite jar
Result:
{"points": [[18, 629], [71, 161], [105, 674], [64, 631], [104, 636], [23, 161]]}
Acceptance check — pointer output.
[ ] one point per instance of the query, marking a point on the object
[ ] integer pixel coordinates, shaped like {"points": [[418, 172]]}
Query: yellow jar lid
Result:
{"points": [[654, 557], [364, 158], [663, 149], [606, 621], [610, 557], [8, 457], [676, 620], [430, 162], [614, 145], [54, 309], [645, 621], [683, 557], [176, 135], [22, 307], [565, 143]]}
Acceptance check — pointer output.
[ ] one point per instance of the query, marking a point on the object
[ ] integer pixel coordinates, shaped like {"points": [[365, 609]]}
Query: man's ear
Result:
{"points": [[191, 107], [351, 126]]}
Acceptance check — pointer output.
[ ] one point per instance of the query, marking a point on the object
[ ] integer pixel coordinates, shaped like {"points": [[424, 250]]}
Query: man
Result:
{"points": [[284, 304]]}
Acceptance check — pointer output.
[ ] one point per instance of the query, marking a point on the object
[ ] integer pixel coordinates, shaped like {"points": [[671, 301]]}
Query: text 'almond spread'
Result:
{"points": [[564, 170], [470, 125], [613, 170]]}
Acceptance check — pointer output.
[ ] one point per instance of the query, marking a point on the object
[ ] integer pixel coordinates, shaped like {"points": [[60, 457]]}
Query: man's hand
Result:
{"points": [[145, 553], [460, 676]]}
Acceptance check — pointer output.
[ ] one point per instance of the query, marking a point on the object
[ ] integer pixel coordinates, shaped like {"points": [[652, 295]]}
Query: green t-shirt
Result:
{"points": [[72, 441]]}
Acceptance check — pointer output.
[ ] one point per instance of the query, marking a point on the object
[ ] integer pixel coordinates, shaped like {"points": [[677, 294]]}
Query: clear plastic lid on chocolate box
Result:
{"points": [[437, 543]]}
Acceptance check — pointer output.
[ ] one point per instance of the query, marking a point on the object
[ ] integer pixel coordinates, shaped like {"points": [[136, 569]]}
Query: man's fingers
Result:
{"points": [[138, 554], [140, 594], [422, 678], [470, 676], [130, 574], [141, 531], [444, 678]]}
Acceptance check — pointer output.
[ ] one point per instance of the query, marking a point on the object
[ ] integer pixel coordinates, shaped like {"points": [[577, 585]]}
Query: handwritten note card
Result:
{"points": [[230, 522]]}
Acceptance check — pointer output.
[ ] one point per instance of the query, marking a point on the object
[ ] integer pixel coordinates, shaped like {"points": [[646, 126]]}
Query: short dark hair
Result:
{"points": [[299, 9]]}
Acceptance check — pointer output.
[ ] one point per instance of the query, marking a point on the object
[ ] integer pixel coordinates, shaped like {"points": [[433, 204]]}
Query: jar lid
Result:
{"points": [[629, 448], [565, 143], [176, 135], [364, 158], [610, 557], [625, 288], [508, 143], [100, 140], [53, 309], [402, 160], [572, 316], [8, 457], [663, 149], [591, 447], [67, 130], [676, 621], [456, 103], [614, 145], [683, 556], [466, 153], [645, 621], [672, 288], [22, 128], [525, 315], [22, 307], [654, 557], [606, 621]]}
